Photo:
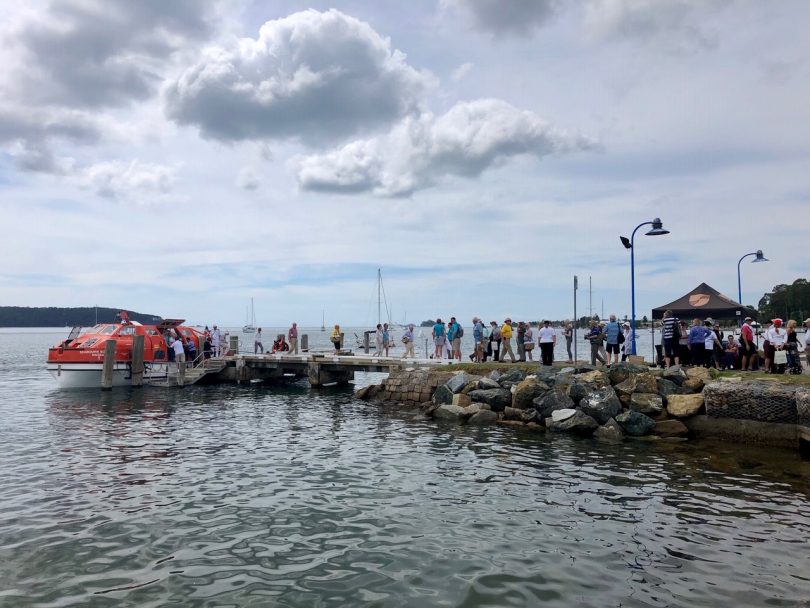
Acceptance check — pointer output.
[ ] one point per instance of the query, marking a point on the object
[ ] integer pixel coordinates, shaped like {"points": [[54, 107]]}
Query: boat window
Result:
{"points": [[151, 332], [129, 330], [187, 332], [88, 343], [107, 330]]}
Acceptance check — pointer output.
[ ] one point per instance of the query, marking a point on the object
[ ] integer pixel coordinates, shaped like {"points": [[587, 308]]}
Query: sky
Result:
{"points": [[180, 158]]}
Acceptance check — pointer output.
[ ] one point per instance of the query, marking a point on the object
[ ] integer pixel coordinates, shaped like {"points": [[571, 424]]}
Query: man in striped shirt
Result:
{"points": [[669, 329]]}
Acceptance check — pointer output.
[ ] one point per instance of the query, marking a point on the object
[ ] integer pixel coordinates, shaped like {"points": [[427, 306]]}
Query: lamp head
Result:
{"points": [[760, 257], [626, 242], [657, 228]]}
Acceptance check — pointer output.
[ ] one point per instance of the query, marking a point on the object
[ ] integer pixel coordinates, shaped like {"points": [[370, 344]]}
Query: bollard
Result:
{"points": [[109, 365], [304, 343], [137, 361], [365, 342], [426, 348]]}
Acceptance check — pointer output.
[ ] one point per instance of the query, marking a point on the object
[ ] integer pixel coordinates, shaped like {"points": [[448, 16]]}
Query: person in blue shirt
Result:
{"points": [[594, 336], [386, 338], [612, 332], [478, 338], [438, 339], [454, 338], [697, 342]]}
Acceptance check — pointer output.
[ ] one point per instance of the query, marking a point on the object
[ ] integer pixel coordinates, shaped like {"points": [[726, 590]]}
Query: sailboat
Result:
{"points": [[250, 325]]}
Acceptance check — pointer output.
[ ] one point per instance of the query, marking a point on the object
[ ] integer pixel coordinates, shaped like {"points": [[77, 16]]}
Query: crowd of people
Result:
{"points": [[702, 342]]}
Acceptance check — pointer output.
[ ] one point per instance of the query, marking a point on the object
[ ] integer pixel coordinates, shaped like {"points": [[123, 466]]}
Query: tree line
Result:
{"points": [[52, 316], [787, 301]]}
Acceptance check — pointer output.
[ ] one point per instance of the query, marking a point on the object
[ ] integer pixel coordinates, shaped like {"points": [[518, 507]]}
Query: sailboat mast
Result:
{"points": [[379, 298]]}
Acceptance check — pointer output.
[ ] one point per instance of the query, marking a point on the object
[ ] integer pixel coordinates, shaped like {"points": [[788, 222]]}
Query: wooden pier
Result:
{"points": [[320, 369]]}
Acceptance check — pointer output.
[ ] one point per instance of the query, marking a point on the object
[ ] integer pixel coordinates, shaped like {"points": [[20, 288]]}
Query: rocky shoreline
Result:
{"points": [[612, 404]]}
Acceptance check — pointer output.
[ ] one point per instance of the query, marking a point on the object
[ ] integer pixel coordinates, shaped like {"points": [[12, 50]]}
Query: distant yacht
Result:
{"points": [[250, 326]]}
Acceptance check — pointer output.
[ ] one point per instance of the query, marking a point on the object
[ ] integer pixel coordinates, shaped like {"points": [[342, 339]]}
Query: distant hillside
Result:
{"points": [[19, 316]]}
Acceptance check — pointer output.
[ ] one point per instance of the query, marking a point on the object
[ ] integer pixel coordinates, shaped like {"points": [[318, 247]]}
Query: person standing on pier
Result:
{"points": [[594, 336], [292, 337], [506, 340], [378, 341], [478, 339], [670, 332], [747, 349], [521, 332], [407, 340], [528, 342], [336, 339], [179, 354], [495, 338], [386, 338], [257, 342], [568, 334], [216, 339], [612, 333], [547, 338], [454, 333], [438, 339]]}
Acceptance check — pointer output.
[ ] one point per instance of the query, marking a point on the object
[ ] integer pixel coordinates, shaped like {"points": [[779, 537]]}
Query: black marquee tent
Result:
{"points": [[703, 302]]}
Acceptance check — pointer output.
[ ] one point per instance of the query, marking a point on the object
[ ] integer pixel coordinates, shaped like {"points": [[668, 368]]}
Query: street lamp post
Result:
{"points": [[656, 230], [759, 258]]}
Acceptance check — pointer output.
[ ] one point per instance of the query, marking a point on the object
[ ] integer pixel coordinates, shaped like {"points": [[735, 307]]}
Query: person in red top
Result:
{"points": [[748, 351]]}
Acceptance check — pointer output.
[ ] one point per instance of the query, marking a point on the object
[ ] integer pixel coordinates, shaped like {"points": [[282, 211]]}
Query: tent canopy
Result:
{"points": [[702, 302]]}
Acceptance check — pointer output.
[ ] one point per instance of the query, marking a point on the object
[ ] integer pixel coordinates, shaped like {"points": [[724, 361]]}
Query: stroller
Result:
{"points": [[794, 360]]}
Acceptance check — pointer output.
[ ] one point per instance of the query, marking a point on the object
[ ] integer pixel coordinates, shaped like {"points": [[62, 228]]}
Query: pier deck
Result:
{"points": [[318, 368]]}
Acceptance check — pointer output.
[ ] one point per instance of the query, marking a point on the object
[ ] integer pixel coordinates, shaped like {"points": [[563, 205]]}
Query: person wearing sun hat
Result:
{"points": [[747, 350], [776, 337]]}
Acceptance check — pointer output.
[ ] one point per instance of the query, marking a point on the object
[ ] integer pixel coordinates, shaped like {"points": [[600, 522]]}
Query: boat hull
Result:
{"points": [[88, 375]]}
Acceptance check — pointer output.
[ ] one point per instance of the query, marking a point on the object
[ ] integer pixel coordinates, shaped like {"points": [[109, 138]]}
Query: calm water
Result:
{"points": [[229, 496]]}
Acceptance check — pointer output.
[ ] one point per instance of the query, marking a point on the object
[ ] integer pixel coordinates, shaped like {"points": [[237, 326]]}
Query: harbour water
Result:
{"points": [[289, 496]]}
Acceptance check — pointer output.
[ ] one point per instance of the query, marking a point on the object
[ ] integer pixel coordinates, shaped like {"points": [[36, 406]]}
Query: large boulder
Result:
{"points": [[527, 391], [483, 417], [666, 388], [683, 406], [451, 412], [674, 374], [547, 375], [647, 403], [670, 428], [471, 385], [577, 391], [553, 400], [594, 378], [601, 404], [578, 422], [462, 400], [495, 375], [442, 395], [610, 432], [803, 406], [529, 415], [457, 382], [635, 423], [619, 372], [513, 375], [487, 383], [512, 413], [699, 372], [690, 386], [637, 383], [496, 398]]}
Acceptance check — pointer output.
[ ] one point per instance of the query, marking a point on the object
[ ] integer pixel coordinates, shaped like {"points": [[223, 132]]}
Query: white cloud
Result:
{"points": [[132, 182], [418, 153], [309, 76]]}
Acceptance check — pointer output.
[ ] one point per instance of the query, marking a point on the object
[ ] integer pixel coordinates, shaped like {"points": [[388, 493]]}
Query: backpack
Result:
{"points": [[459, 332], [496, 334]]}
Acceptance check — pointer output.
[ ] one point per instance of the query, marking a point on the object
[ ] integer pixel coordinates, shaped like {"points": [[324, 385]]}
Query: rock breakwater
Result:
{"points": [[611, 405]]}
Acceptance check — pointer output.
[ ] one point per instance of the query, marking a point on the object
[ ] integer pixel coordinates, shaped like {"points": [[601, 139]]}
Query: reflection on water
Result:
{"points": [[251, 496]]}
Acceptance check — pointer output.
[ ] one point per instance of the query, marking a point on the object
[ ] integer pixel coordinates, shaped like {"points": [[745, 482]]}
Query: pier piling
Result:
{"points": [[137, 361], [109, 365]]}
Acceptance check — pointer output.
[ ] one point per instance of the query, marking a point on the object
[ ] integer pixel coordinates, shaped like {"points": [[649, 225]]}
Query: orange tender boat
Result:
{"points": [[77, 361]]}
